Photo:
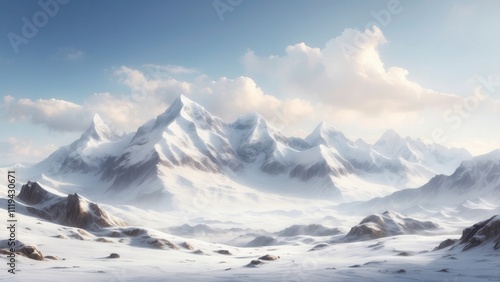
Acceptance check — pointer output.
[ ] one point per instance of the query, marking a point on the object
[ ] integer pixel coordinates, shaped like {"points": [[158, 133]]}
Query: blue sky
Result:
{"points": [[279, 58]]}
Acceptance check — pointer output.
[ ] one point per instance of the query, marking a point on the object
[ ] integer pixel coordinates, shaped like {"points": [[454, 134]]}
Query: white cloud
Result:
{"points": [[229, 98], [347, 74], [58, 115]]}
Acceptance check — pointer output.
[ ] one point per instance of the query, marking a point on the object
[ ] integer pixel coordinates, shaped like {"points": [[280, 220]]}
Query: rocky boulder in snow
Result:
{"points": [[387, 224]]}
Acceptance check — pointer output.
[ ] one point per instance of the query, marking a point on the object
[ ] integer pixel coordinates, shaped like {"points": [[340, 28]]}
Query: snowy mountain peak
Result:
{"points": [[390, 135], [250, 120], [99, 130], [326, 128], [324, 134], [183, 107]]}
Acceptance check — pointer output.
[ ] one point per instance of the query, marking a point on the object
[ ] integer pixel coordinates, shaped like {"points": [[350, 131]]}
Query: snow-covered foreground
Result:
{"points": [[398, 258], [305, 254]]}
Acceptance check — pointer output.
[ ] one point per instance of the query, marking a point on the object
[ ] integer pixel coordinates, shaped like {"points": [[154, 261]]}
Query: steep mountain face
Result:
{"points": [[387, 224], [187, 138], [186, 135], [73, 210]]}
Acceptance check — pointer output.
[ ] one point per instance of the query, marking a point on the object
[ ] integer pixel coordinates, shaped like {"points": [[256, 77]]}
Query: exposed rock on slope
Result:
{"points": [[72, 210], [387, 224], [483, 233]]}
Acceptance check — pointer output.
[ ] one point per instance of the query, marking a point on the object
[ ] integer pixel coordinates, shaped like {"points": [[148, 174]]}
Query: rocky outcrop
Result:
{"points": [[483, 233], [387, 224], [33, 193], [73, 210], [30, 252]]}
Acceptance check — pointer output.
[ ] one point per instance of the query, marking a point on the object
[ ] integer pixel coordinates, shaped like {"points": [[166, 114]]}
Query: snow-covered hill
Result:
{"points": [[387, 224]]}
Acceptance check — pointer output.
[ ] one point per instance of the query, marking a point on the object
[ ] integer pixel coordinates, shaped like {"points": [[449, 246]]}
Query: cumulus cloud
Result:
{"points": [[56, 114], [347, 74], [229, 98]]}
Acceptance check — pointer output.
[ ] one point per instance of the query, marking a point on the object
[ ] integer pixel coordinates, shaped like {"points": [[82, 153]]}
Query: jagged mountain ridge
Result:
{"points": [[186, 135]]}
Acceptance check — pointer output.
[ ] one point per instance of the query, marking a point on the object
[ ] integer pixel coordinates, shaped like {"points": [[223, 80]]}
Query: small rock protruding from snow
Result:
{"points": [[269, 257], [30, 252], [187, 246], [224, 252], [254, 263]]}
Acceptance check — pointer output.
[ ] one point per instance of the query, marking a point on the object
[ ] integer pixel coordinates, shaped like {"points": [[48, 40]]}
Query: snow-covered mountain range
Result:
{"points": [[241, 199], [187, 139]]}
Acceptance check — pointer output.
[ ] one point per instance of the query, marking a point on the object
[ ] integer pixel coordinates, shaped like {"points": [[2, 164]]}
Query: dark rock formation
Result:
{"points": [[254, 263], [482, 233], [186, 245], [446, 243], [224, 252], [73, 210], [269, 257], [32, 193], [30, 252]]}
